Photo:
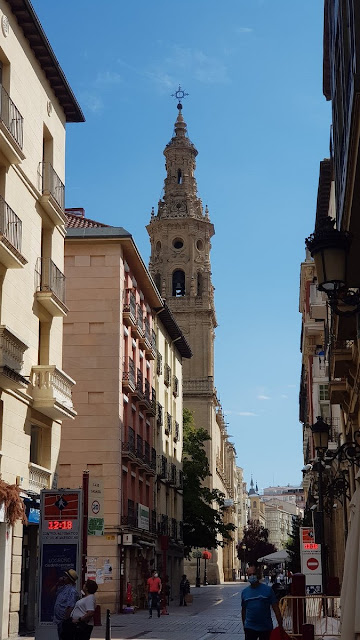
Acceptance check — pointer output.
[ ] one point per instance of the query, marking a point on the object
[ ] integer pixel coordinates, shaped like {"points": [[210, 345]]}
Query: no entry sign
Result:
{"points": [[312, 564]]}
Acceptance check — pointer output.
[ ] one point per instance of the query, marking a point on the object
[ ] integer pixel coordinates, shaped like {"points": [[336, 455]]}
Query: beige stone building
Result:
{"points": [[241, 503], [180, 235], [36, 103], [125, 350], [279, 519]]}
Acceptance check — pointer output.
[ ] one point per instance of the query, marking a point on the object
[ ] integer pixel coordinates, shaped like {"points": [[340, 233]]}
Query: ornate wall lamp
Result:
{"points": [[330, 248]]}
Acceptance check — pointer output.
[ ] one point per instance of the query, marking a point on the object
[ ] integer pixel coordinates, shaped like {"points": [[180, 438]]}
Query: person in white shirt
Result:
{"points": [[82, 614]]}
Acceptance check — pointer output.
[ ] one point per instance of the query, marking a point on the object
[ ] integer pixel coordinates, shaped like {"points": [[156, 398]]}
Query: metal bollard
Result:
{"points": [[108, 626]]}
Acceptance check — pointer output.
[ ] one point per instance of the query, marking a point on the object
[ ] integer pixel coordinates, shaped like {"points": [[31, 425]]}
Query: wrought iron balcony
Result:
{"points": [[50, 287], [168, 424], [10, 237], [175, 386], [152, 408], [180, 480], [139, 448], [51, 391], [129, 311], [53, 193], [174, 529], [163, 525], [12, 351], [153, 459], [159, 414], [11, 129], [139, 321], [162, 467], [138, 393], [173, 475], [128, 446], [176, 431], [167, 375], [181, 530], [159, 367], [39, 478], [128, 376]]}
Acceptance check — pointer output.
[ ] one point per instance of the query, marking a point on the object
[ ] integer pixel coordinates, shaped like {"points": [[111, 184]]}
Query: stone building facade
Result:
{"points": [[125, 350], [36, 103], [180, 235]]}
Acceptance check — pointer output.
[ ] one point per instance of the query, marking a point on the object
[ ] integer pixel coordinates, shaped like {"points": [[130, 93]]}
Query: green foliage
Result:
{"points": [[256, 543], [203, 524], [293, 546]]}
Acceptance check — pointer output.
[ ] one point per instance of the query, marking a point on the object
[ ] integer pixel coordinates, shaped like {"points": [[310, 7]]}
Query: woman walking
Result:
{"points": [[78, 626]]}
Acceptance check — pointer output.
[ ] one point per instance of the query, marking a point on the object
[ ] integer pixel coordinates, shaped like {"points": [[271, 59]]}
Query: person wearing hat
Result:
{"points": [[66, 598]]}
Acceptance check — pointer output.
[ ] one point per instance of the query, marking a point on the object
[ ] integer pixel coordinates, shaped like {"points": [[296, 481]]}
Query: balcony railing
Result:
{"points": [[181, 530], [174, 529], [153, 341], [168, 424], [163, 525], [10, 226], [180, 479], [162, 467], [147, 391], [129, 373], [158, 363], [147, 457], [128, 446], [139, 383], [51, 184], [173, 474], [147, 333], [139, 447], [11, 350], [39, 478], [167, 375], [176, 431], [175, 386], [140, 319], [52, 392], [153, 459], [11, 117], [130, 307], [48, 278], [159, 414]]}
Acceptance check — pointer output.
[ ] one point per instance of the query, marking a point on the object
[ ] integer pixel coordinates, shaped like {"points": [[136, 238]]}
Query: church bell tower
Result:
{"points": [[180, 235]]}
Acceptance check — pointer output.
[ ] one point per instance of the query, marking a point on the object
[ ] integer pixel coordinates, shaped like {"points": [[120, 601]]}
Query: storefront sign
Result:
{"points": [[144, 517]]}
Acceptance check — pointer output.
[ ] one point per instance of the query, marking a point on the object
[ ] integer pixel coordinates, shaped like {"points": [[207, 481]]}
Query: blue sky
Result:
{"points": [[256, 113]]}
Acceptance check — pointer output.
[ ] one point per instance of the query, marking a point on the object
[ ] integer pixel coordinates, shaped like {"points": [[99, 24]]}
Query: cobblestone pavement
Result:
{"points": [[214, 615]]}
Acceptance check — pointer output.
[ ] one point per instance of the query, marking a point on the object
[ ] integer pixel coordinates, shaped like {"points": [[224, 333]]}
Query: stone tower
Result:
{"points": [[180, 235]]}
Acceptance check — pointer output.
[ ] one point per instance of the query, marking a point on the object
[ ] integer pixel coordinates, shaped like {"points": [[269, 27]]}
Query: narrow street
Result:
{"points": [[215, 613]]}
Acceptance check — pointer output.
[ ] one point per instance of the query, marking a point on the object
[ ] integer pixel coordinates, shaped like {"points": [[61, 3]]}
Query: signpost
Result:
{"points": [[60, 549], [96, 507], [310, 553]]}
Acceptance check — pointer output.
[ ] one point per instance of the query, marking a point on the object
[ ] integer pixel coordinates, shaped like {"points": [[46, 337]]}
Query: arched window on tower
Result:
{"points": [[179, 176], [199, 284], [157, 281], [178, 283]]}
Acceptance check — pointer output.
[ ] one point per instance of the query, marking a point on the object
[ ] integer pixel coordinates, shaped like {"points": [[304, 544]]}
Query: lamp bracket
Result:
{"points": [[349, 451]]}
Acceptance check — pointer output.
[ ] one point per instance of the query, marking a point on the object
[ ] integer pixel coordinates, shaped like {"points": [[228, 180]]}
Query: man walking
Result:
{"points": [[154, 590], [66, 598], [256, 603], [184, 590]]}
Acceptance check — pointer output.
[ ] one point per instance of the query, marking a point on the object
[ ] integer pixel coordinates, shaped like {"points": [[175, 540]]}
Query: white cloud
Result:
{"points": [[244, 30], [108, 77], [240, 413], [283, 395], [91, 101], [261, 397]]}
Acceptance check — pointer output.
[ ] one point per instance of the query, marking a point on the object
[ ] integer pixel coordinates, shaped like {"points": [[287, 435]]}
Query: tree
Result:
{"points": [[255, 542], [203, 524], [293, 546]]}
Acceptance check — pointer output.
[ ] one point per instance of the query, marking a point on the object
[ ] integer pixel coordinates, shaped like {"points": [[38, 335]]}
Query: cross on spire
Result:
{"points": [[180, 94]]}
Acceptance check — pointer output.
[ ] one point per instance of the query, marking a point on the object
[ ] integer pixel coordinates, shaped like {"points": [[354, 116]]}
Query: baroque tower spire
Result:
{"points": [[180, 235]]}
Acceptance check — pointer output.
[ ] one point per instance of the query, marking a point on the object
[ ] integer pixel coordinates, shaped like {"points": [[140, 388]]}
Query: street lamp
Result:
{"points": [[243, 546], [197, 554], [206, 555], [330, 248]]}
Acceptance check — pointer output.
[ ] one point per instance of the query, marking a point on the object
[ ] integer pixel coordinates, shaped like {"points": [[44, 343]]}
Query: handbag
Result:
{"points": [[188, 598], [279, 634]]}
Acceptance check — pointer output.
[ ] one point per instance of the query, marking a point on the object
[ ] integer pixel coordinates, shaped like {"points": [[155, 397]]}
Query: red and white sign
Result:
{"points": [[312, 564]]}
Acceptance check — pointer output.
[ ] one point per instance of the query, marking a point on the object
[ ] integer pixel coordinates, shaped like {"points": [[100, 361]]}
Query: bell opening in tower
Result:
{"points": [[179, 177], [178, 288]]}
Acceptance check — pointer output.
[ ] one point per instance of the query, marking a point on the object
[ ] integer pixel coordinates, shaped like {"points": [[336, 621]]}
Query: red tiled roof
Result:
{"points": [[78, 220]]}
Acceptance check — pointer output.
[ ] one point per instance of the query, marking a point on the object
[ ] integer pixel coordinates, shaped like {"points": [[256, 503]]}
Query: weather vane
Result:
{"points": [[179, 95]]}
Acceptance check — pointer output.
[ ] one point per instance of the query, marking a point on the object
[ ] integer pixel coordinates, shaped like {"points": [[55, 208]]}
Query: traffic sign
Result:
{"points": [[312, 564]]}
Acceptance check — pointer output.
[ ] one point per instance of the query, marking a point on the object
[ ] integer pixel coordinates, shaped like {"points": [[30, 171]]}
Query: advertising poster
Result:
{"points": [[56, 558]]}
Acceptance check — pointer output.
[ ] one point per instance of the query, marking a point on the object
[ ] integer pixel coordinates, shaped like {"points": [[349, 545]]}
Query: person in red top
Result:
{"points": [[154, 590]]}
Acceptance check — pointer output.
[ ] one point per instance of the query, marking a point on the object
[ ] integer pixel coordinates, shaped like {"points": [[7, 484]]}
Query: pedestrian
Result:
{"points": [[154, 590], [66, 598], [78, 626], [184, 590], [256, 603]]}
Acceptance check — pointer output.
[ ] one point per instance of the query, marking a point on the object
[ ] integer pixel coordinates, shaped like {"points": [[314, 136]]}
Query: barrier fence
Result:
{"points": [[321, 611]]}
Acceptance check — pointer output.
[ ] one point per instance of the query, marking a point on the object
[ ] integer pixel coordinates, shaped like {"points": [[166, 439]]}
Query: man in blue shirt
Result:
{"points": [[256, 603], [66, 598]]}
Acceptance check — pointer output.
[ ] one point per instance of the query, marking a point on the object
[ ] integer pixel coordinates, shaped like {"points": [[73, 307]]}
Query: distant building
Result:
{"points": [[287, 493]]}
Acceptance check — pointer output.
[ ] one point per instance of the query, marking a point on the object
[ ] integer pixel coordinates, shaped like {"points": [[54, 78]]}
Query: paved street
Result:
{"points": [[215, 613]]}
